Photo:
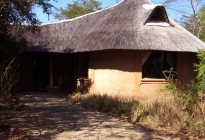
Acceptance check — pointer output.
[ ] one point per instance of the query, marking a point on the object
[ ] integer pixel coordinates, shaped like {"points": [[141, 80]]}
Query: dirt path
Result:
{"points": [[49, 117]]}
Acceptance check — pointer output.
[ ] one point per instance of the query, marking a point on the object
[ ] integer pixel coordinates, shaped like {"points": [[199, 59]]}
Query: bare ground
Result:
{"points": [[46, 116]]}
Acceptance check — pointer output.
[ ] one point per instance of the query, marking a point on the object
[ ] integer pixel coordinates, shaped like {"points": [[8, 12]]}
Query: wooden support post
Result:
{"points": [[138, 72], [51, 70]]}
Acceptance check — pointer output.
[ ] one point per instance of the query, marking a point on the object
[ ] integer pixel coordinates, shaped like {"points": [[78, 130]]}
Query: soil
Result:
{"points": [[46, 116]]}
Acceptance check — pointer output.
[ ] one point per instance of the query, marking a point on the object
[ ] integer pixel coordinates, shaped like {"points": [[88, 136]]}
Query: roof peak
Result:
{"points": [[67, 20], [143, 2], [151, 6]]}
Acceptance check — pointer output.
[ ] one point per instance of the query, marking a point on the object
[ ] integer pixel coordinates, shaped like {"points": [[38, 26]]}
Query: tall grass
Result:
{"points": [[114, 105]]}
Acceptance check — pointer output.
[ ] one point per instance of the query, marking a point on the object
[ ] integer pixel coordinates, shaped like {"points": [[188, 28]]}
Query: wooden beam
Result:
{"points": [[51, 70]]}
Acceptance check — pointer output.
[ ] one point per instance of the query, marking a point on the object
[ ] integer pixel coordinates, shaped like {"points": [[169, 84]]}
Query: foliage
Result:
{"points": [[192, 13], [78, 8], [10, 46], [201, 66], [188, 94], [198, 28], [17, 12], [13, 14], [8, 79]]}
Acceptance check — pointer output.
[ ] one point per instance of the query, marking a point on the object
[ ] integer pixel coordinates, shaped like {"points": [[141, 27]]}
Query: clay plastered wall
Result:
{"points": [[151, 88], [185, 68], [115, 72]]}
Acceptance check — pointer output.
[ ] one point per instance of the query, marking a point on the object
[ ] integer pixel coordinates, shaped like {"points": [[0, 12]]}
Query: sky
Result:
{"points": [[182, 5], [62, 4]]}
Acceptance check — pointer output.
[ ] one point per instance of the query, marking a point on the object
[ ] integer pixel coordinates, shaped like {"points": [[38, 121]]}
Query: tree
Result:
{"points": [[78, 8], [13, 14], [192, 12], [17, 12], [196, 23]]}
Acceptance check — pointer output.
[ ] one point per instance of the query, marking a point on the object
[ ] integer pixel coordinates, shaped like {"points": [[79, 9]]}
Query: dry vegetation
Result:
{"points": [[171, 115], [8, 79], [182, 113]]}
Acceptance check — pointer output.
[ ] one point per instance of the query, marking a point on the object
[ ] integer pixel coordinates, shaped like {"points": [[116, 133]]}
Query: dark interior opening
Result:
{"points": [[157, 63], [158, 15], [83, 65], [62, 72], [41, 71], [83, 82]]}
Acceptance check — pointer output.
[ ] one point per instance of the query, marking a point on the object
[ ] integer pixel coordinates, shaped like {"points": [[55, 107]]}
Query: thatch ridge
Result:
{"points": [[82, 16], [118, 27]]}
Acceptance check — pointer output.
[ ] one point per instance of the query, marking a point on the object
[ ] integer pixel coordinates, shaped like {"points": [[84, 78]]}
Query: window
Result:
{"points": [[156, 63], [158, 17]]}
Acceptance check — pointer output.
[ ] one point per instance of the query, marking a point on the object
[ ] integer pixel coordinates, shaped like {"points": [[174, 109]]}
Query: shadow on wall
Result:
{"points": [[122, 60]]}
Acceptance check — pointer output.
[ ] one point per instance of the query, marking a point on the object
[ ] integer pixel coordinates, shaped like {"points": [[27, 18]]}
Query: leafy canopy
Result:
{"points": [[200, 68], [14, 13], [78, 8], [18, 12]]}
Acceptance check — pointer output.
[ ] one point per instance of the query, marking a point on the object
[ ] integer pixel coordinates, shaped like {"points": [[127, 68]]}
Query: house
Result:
{"points": [[121, 50]]}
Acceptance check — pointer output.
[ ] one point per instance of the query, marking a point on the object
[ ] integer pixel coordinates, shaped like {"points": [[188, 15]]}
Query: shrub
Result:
{"points": [[8, 79], [188, 94], [200, 68]]}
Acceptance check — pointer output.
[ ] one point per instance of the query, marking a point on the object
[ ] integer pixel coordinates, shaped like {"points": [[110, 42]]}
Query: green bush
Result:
{"points": [[200, 68]]}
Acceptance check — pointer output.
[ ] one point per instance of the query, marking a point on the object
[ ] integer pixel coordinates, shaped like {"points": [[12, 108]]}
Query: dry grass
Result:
{"points": [[114, 105], [8, 79], [170, 115]]}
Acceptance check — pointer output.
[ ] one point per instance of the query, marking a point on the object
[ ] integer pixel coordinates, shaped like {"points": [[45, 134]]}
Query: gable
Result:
{"points": [[158, 17]]}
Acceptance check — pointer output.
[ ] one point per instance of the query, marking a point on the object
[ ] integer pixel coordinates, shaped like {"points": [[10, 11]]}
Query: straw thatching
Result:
{"points": [[124, 26]]}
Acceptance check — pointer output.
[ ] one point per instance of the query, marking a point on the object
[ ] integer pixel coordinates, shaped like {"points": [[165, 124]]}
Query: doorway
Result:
{"points": [[41, 71]]}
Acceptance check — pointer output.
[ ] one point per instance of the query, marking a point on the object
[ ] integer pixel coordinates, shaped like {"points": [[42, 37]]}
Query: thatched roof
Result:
{"points": [[132, 25]]}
